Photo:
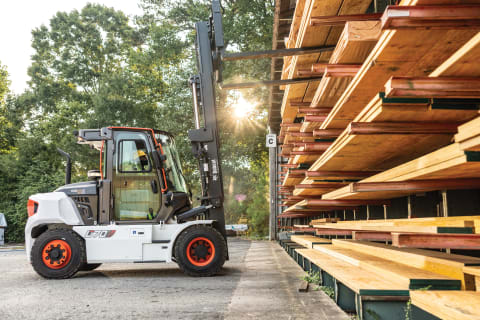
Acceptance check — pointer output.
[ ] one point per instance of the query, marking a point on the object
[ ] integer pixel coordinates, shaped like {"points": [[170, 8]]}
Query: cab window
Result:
{"points": [[133, 156]]}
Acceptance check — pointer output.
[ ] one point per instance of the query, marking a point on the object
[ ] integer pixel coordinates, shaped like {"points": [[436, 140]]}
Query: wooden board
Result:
{"points": [[358, 279], [309, 241], [436, 241], [399, 229], [450, 265], [458, 305], [413, 277]]}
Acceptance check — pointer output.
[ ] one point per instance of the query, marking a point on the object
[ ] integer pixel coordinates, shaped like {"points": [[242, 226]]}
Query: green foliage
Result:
{"points": [[5, 125], [313, 277], [96, 67]]}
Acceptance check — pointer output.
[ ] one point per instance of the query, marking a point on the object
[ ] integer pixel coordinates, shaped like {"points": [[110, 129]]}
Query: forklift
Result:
{"points": [[137, 207]]}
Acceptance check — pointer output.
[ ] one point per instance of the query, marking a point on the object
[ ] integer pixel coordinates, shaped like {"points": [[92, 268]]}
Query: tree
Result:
{"points": [[5, 125]]}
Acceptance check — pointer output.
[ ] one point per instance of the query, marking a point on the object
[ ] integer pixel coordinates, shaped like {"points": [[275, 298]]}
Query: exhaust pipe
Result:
{"points": [[68, 168]]}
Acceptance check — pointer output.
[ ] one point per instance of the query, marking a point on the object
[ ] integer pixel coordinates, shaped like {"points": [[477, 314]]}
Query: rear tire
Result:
{"points": [[58, 254], [200, 251], [89, 266]]}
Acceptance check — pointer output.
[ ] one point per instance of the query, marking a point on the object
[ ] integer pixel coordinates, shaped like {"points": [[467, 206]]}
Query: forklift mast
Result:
{"points": [[204, 138]]}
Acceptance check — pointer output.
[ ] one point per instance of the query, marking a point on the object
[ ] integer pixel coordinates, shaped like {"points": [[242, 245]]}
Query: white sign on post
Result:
{"points": [[271, 140]]}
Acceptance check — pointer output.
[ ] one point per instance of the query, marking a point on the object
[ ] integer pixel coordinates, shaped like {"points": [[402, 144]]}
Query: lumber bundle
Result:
{"points": [[450, 167], [304, 34], [393, 56], [356, 41], [450, 265]]}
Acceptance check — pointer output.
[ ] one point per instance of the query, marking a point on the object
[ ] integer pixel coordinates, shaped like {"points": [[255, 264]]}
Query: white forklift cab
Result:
{"points": [[136, 208]]}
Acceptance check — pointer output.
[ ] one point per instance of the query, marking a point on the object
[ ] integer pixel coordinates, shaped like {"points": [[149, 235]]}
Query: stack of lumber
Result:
{"points": [[380, 121], [451, 167], [303, 34], [382, 278]]}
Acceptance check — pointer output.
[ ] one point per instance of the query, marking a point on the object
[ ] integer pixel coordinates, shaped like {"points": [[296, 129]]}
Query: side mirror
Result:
{"points": [[159, 158]]}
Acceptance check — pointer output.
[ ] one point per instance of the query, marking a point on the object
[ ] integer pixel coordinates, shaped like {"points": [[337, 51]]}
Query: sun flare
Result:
{"points": [[242, 108]]}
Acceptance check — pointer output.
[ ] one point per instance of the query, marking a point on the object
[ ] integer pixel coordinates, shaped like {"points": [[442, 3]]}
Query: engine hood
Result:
{"points": [[79, 188]]}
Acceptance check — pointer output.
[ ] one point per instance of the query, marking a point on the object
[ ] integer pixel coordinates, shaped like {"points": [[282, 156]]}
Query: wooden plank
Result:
{"points": [[358, 279], [343, 19], [327, 133], [414, 278], [314, 111], [370, 128], [450, 265], [372, 235], [339, 174], [458, 305], [309, 241], [433, 87], [415, 185], [436, 241], [398, 228], [343, 203], [332, 232], [323, 220], [416, 17]]}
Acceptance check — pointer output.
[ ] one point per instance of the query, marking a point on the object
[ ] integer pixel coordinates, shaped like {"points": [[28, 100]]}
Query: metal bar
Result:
{"points": [[275, 53], [433, 87], [446, 17], [255, 84]]}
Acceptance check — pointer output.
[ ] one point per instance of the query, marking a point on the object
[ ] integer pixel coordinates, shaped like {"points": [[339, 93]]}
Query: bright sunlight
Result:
{"points": [[242, 108]]}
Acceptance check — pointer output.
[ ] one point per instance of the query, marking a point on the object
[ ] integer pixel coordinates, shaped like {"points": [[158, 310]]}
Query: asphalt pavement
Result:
{"points": [[259, 282]]}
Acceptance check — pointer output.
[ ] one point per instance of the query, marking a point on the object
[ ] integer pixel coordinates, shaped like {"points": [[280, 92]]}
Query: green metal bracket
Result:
{"points": [[461, 230], [344, 297]]}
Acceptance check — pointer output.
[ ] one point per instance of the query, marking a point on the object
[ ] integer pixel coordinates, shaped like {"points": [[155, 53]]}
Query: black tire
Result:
{"points": [[89, 266], [191, 235], [77, 256]]}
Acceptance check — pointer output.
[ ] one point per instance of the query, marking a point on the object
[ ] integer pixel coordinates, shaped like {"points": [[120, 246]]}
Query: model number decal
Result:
{"points": [[99, 233]]}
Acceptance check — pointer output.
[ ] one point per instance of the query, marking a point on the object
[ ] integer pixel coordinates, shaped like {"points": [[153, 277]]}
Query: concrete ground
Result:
{"points": [[259, 282]]}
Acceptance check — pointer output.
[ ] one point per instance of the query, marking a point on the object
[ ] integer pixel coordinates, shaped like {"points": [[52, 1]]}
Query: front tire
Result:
{"points": [[58, 254], [200, 251]]}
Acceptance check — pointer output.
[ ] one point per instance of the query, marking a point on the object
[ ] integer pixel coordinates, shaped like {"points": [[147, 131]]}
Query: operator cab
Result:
{"points": [[139, 171]]}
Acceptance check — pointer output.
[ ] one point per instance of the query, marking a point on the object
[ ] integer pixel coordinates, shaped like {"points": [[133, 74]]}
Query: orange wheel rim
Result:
{"points": [[56, 254], [200, 251]]}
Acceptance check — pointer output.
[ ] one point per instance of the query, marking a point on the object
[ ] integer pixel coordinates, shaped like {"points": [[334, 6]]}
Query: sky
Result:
{"points": [[19, 17]]}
